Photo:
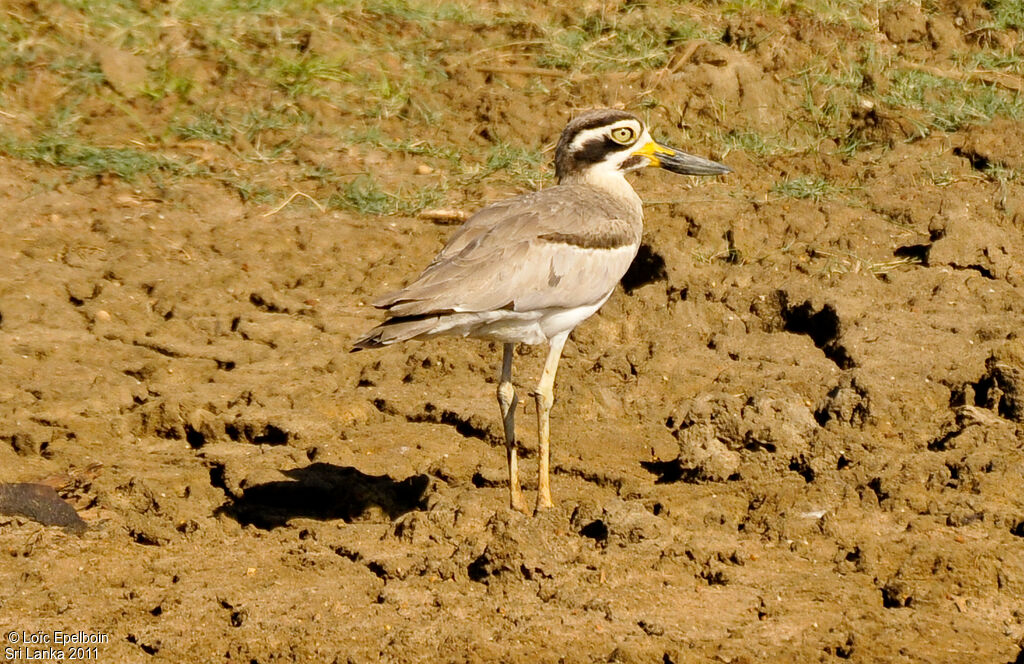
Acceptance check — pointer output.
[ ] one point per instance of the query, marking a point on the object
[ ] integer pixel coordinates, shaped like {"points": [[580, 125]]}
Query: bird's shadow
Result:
{"points": [[326, 492]]}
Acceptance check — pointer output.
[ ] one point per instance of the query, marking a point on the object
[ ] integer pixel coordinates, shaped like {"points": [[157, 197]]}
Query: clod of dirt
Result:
{"points": [[41, 504], [896, 595], [701, 450], [848, 403], [995, 144], [944, 36], [903, 22], [731, 79], [965, 242], [619, 521], [126, 72], [968, 422], [1002, 386]]}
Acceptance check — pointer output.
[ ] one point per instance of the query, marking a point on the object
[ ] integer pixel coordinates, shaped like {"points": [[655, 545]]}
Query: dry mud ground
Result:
{"points": [[795, 434]]}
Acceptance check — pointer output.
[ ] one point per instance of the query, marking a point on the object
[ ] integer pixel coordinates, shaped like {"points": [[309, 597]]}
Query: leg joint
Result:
{"points": [[506, 395], [544, 400]]}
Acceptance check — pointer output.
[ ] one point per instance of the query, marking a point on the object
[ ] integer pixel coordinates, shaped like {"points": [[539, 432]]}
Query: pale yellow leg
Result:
{"points": [[507, 401], [545, 396]]}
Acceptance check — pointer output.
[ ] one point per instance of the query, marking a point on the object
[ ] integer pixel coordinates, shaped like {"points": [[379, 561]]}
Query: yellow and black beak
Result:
{"points": [[678, 161]]}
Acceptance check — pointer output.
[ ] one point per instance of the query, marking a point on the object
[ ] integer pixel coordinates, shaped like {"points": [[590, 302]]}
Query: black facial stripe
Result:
{"points": [[631, 163], [596, 149]]}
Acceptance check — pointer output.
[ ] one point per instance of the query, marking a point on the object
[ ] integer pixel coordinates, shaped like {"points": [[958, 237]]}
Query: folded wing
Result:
{"points": [[562, 247]]}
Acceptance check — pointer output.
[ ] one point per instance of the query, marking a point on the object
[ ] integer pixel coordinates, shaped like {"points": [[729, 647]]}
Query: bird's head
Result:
{"points": [[604, 141]]}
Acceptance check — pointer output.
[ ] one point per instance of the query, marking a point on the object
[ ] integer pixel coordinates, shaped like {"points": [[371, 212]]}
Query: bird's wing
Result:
{"points": [[561, 247]]}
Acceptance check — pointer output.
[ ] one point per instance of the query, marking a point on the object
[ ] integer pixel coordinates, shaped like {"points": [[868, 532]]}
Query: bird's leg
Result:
{"points": [[545, 396], [507, 401]]}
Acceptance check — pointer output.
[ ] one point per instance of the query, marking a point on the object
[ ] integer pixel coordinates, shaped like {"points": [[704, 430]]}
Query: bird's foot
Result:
{"points": [[517, 501], [543, 503]]}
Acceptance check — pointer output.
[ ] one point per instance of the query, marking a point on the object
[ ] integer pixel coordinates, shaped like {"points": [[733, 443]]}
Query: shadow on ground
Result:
{"points": [[326, 492]]}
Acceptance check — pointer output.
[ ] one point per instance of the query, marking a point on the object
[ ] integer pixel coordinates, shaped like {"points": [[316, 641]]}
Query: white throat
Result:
{"points": [[607, 177]]}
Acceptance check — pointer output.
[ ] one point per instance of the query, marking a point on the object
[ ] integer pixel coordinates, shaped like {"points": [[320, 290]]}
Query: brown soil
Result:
{"points": [[778, 442]]}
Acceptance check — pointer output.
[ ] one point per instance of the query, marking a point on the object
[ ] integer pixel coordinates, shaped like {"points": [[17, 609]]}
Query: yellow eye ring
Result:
{"points": [[623, 135]]}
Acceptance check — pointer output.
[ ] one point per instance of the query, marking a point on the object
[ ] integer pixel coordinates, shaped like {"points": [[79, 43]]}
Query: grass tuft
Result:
{"points": [[85, 159], [806, 187], [365, 196]]}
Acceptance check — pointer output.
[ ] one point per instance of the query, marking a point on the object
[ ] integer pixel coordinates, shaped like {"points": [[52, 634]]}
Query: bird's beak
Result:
{"points": [[678, 161]]}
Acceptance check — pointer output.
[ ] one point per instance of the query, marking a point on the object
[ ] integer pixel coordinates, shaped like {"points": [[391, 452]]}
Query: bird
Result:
{"points": [[529, 269]]}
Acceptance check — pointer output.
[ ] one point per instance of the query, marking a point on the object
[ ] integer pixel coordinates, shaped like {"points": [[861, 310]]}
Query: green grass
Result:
{"points": [[254, 78], [373, 136], [205, 127], [812, 188], [752, 142], [1006, 13], [85, 159], [365, 196], [307, 75], [631, 42], [949, 104]]}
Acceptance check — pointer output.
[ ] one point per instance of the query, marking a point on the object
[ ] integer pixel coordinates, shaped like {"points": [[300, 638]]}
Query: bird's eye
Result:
{"points": [[623, 135]]}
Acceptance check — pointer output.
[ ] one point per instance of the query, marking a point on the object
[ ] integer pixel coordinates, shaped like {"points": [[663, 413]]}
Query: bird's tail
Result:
{"points": [[400, 328]]}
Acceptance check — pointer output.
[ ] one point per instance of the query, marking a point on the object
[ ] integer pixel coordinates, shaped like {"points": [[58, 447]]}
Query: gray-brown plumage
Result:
{"points": [[531, 268]]}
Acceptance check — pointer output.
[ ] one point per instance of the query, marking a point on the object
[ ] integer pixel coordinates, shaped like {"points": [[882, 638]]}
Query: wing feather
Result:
{"points": [[500, 259]]}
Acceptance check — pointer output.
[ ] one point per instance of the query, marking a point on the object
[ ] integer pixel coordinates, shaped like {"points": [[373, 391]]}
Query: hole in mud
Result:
{"points": [[822, 326], [146, 648], [646, 268], [1018, 529], [843, 651], [378, 570], [144, 538], [217, 478], [481, 482], [754, 445], [195, 439], [843, 462], [596, 530], [802, 467], [982, 270], [714, 577], [978, 162], [672, 471], [257, 300], [894, 596], [325, 492], [477, 569], [941, 444], [917, 252], [256, 433], [876, 486]]}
